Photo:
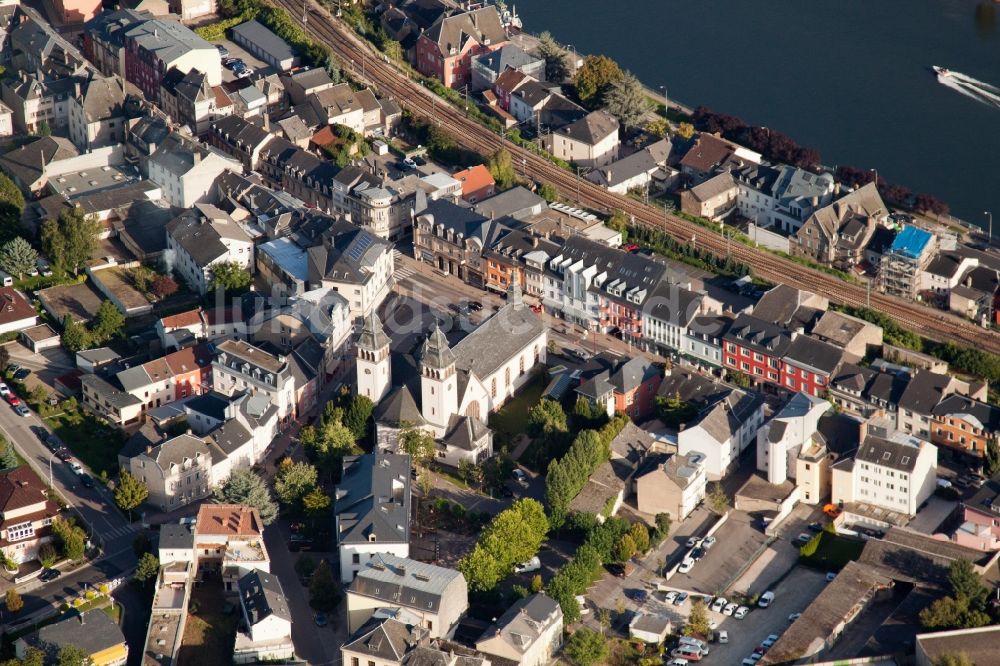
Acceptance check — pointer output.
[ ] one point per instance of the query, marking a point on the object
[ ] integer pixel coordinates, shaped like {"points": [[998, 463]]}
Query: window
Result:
{"points": [[355, 558]]}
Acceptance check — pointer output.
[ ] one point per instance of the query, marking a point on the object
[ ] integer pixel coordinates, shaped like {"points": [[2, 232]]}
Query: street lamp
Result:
{"points": [[576, 58], [875, 171], [666, 102], [989, 216]]}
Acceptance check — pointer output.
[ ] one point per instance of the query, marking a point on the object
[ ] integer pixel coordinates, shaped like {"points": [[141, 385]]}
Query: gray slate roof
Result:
{"points": [[498, 339], [400, 581], [176, 536], [373, 499], [255, 33], [373, 336], [465, 432], [262, 596], [92, 631], [898, 455]]}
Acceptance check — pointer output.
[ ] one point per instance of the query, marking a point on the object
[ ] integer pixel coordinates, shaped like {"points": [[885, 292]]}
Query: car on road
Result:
{"points": [[719, 604], [620, 570], [708, 542], [766, 599], [636, 595], [519, 475], [64, 454], [741, 612], [722, 636], [13, 400], [321, 619], [794, 616], [730, 608], [681, 598], [697, 553], [76, 467], [49, 575], [53, 443], [815, 527], [803, 538], [686, 565], [830, 575], [678, 662], [22, 374], [4, 390], [693, 542], [22, 410], [670, 596], [770, 640], [87, 481]]}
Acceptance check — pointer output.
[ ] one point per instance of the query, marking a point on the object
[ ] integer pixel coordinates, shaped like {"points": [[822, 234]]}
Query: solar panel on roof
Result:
{"points": [[360, 247]]}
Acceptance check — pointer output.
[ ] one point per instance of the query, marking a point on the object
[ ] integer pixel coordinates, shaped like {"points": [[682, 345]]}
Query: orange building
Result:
{"points": [[76, 11], [964, 424], [477, 183]]}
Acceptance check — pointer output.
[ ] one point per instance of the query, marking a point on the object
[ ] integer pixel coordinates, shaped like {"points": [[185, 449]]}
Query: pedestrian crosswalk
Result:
{"points": [[403, 270], [119, 532]]}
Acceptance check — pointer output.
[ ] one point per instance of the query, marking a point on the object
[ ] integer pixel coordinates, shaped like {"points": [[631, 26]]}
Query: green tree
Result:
{"points": [[328, 445], [557, 66], [967, 585], [75, 337], [548, 192], [991, 458], [8, 456], [619, 221], [71, 538], [513, 536], [230, 277], [673, 411], [586, 647], [740, 378], [658, 126], [594, 78], [13, 601], [626, 100], [294, 481], [71, 655], [131, 492], [417, 443], [108, 323], [316, 502], [718, 500], [148, 568], [663, 525], [685, 131], [323, 593], [33, 657], [305, 566], [47, 555], [537, 585], [244, 487], [501, 167], [11, 208], [640, 536], [70, 241], [358, 414], [17, 257], [954, 659], [625, 548], [698, 623], [546, 417], [582, 410], [44, 129]]}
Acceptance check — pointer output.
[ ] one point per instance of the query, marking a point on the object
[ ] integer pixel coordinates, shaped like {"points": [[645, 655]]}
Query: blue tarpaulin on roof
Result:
{"points": [[910, 242]]}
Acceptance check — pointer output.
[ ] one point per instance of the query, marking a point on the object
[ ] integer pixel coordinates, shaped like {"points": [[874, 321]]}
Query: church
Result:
{"points": [[457, 387]]}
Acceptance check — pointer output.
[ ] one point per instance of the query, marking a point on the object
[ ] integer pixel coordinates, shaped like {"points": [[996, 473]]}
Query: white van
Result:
{"points": [[6, 280], [534, 564]]}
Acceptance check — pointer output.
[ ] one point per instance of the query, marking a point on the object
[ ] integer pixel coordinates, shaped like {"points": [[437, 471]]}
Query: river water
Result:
{"points": [[851, 78]]}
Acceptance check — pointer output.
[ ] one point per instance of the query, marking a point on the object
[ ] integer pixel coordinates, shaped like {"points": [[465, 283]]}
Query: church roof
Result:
{"points": [[373, 335], [398, 408], [435, 352]]}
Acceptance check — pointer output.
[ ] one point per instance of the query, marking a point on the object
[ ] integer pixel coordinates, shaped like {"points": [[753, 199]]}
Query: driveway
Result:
{"points": [[930, 518], [737, 543], [45, 366]]}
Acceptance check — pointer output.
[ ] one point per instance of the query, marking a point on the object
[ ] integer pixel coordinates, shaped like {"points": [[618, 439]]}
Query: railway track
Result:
{"points": [[368, 64]]}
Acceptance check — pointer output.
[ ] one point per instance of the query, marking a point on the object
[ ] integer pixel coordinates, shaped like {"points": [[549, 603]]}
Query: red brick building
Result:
{"points": [[809, 365], [755, 348], [446, 49]]}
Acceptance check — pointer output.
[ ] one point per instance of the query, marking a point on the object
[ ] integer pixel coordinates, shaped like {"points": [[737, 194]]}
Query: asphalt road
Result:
{"points": [[105, 524]]}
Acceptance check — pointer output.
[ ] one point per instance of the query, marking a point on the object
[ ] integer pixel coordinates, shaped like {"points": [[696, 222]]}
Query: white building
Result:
{"points": [[372, 507], [267, 623], [177, 471], [723, 432], [782, 438], [782, 197], [97, 113], [529, 633], [591, 141], [891, 470], [202, 237], [241, 367], [356, 263], [186, 170]]}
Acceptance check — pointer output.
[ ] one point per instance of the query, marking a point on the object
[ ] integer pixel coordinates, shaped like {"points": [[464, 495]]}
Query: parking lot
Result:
{"points": [[236, 51], [737, 542]]}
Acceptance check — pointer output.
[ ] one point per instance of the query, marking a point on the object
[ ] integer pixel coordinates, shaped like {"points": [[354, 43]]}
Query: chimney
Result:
{"points": [[836, 189], [815, 201]]}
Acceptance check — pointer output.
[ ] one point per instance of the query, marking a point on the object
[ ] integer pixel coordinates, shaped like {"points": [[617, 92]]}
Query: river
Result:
{"points": [[851, 79]]}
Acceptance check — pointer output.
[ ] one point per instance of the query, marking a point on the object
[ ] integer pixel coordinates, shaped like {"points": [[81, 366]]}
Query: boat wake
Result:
{"points": [[980, 91]]}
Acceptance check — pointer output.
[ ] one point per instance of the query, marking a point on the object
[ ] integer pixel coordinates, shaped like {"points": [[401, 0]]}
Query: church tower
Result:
{"points": [[373, 364], [438, 383]]}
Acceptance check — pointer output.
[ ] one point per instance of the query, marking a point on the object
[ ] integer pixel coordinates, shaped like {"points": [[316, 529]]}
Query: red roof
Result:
{"points": [[325, 136], [509, 80], [19, 488], [189, 359], [14, 306], [182, 319], [474, 179], [228, 519]]}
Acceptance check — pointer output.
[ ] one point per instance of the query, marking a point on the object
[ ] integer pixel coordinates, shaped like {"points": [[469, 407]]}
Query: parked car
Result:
{"points": [[815, 527], [4, 390], [621, 570], [696, 642], [693, 542], [87, 481], [681, 598], [719, 604], [76, 467], [13, 399], [40, 432], [741, 612], [64, 454], [321, 619], [22, 410], [678, 662], [519, 475], [670, 596], [830, 575], [223, 51], [636, 595], [766, 599], [730, 609], [409, 162], [708, 542], [686, 565], [686, 652], [22, 374], [770, 640], [697, 553], [803, 538], [534, 564], [475, 306], [53, 443], [794, 616], [49, 575], [722, 636]]}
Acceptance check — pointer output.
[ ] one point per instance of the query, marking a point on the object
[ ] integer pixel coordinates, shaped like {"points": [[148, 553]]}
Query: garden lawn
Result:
{"points": [[834, 552], [512, 419], [95, 444], [209, 633]]}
